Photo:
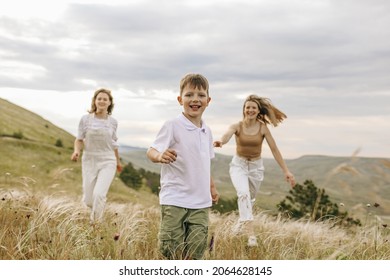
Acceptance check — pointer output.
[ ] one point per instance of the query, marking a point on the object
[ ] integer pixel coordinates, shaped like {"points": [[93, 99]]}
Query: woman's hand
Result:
{"points": [[290, 178], [217, 144]]}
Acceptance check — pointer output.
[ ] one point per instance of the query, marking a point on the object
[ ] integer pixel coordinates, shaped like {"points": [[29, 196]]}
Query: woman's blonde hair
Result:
{"points": [[269, 114], [93, 105]]}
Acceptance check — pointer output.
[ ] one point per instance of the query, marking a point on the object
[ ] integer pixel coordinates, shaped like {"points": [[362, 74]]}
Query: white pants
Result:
{"points": [[98, 172], [246, 177]]}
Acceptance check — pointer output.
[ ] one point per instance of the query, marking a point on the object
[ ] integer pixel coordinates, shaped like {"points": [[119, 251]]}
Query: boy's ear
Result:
{"points": [[179, 99]]}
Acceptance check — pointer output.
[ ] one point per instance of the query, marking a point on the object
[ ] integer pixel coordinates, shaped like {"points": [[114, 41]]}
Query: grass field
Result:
{"points": [[37, 225]]}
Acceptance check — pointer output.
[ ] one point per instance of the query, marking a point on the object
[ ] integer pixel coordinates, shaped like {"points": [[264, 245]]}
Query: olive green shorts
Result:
{"points": [[183, 232]]}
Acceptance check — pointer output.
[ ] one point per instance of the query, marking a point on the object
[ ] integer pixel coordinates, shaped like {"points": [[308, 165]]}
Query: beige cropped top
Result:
{"points": [[249, 146]]}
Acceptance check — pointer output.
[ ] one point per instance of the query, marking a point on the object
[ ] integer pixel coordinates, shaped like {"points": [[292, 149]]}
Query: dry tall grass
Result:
{"points": [[56, 227]]}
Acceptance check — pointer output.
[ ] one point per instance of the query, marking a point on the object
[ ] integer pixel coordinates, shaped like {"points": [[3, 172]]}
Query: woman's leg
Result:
{"points": [[103, 182], [256, 176], [89, 174], [239, 176]]}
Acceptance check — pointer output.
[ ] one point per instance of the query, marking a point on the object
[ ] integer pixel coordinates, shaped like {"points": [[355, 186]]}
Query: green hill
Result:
{"points": [[20, 123], [35, 155], [28, 145]]}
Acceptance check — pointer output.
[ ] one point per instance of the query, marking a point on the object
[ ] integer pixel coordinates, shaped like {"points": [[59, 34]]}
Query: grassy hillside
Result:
{"points": [[31, 160], [15, 121]]}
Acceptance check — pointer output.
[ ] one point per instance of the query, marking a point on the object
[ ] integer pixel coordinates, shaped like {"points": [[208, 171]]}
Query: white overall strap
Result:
{"points": [[98, 139]]}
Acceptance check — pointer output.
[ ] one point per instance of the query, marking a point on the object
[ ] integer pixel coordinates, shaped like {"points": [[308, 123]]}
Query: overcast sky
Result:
{"points": [[325, 63]]}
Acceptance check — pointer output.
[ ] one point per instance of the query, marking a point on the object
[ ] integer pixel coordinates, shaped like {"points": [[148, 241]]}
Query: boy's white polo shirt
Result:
{"points": [[186, 182]]}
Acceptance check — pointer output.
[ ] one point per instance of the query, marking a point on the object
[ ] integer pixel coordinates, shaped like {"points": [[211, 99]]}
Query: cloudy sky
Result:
{"points": [[325, 63]]}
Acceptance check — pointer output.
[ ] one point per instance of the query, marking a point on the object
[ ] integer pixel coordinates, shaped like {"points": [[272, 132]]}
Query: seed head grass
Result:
{"points": [[35, 225]]}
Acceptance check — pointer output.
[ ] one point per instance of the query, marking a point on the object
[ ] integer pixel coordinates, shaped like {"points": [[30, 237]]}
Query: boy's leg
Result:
{"points": [[171, 235], [197, 232]]}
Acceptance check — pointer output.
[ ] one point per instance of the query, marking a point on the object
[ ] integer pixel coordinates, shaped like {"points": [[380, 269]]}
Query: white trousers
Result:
{"points": [[246, 177], [98, 172]]}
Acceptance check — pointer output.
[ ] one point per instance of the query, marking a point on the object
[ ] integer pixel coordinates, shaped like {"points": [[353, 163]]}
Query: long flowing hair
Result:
{"points": [[93, 105], [269, 114]]}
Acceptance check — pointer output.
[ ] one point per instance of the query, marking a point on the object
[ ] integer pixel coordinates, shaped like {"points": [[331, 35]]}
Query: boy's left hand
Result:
{"points": [[214, 196]]}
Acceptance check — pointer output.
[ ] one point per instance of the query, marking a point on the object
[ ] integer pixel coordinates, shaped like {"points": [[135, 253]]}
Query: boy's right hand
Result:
{"points": [[168, 156]]}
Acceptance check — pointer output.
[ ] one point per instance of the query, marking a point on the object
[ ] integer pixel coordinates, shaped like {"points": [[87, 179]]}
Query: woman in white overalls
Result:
{"points": [[97, 136]]}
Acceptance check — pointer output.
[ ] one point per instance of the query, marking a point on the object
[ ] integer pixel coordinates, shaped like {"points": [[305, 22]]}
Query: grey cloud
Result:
{"points": [[316, 60], [243, 47]]}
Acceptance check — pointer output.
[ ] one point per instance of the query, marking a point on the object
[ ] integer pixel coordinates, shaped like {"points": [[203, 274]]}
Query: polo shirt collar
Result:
{"points": [[189, 125]]}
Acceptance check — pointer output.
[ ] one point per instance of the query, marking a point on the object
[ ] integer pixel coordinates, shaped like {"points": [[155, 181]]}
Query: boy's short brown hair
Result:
{"points": [[196, 80]]}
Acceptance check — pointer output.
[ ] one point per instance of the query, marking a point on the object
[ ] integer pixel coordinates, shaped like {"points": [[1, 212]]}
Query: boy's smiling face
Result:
{"points": [[194, 102]]}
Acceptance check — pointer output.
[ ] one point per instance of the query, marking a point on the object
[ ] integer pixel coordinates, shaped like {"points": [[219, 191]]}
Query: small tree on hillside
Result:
{"points": [[18, 135], [308, 201], [59, 143], [131, 177], [152, 180]]}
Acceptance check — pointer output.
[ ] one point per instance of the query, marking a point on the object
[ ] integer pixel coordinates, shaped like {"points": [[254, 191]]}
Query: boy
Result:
{"points": [[184, 146]]}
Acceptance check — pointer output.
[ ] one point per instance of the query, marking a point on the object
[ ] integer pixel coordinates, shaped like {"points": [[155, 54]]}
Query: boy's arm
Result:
{"points": [[153, 155], [214, 192], [168, 156]]}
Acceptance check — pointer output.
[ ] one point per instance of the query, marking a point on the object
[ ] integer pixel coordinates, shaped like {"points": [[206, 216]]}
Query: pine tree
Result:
{"points": [[308, 201], [131, 177]]}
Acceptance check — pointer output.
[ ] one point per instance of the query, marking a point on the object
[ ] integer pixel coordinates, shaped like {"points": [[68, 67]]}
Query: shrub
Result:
{"points": [[308, 201], [59, 143], [152, 180], [18, 135], [131, 177]]}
